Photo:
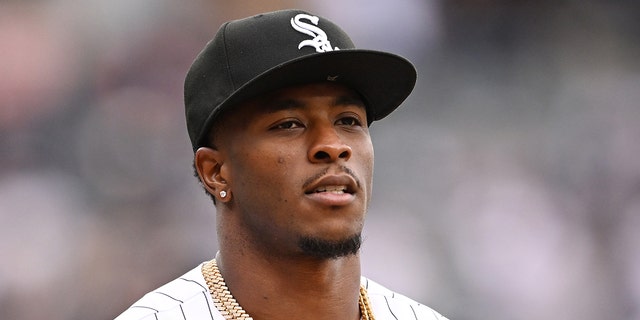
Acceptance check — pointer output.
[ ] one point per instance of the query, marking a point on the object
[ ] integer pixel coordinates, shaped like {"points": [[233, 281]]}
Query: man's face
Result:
{"points": [[299, 166]]}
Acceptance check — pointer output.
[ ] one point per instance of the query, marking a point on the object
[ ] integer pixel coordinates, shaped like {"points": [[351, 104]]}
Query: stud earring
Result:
{"points": [[223, 193]]}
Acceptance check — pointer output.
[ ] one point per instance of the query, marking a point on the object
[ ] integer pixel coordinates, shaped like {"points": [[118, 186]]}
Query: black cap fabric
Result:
{"points": [[267, 52]]}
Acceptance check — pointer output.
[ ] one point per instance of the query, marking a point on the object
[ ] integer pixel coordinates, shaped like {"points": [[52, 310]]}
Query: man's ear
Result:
{"points": [[209, 164]]}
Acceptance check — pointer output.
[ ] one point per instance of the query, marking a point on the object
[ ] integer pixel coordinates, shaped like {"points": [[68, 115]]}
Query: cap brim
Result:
{"points": [[384, 80]]}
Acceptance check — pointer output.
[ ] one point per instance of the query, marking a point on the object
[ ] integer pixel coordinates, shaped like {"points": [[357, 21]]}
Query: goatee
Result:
{"points": [[327, 249]]}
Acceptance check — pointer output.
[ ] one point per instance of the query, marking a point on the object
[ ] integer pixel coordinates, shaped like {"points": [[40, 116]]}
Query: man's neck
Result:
{"points": [[272, 287]]}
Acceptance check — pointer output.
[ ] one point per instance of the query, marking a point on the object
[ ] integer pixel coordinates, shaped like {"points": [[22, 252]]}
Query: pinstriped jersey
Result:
{"points": [[188, 298]]}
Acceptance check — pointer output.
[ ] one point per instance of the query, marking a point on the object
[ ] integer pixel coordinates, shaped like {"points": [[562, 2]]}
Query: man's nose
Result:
{"points": [[327, 146]]}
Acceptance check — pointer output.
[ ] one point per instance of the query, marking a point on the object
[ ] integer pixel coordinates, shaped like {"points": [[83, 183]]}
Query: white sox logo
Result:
{"points": [[319, 41]]}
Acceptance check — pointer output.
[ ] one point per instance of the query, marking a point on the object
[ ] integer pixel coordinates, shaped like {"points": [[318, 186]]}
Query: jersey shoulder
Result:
{"points": [[186, 297], [389, 305]]}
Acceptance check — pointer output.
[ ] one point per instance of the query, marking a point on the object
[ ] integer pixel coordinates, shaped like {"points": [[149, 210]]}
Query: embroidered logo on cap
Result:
{"points": [[319, 41]]}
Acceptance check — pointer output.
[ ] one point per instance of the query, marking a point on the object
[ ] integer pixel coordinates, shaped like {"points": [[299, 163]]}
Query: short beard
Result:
{"points": [[325, 249]]}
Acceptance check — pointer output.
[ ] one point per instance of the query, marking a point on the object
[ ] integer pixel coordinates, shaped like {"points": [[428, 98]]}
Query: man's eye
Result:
{"points": [[288, 125], [349, 121]]}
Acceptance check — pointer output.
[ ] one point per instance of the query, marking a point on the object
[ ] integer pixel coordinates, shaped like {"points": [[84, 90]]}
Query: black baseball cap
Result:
{"points": [[266, 52]]}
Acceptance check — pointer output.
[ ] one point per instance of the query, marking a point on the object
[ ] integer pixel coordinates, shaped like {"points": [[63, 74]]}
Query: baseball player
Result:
{"points": [[278, 108]]}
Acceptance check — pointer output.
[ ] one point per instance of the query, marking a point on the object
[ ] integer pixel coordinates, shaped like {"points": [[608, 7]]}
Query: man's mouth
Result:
{"points": [[331, 189]]}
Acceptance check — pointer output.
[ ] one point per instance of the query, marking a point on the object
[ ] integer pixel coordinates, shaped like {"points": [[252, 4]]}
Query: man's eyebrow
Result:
{"points": [[275, 105]]}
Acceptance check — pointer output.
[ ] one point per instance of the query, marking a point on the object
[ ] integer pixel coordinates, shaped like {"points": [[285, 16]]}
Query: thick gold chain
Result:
{"points": [[365, 307], [231, 309]]}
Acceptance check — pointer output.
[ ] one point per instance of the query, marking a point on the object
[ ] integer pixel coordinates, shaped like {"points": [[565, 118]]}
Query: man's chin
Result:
{"points": [[330, 249]]}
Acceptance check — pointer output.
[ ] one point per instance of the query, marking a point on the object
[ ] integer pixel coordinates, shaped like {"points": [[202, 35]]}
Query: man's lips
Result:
{"points": [[333, 190], [334, 184]]}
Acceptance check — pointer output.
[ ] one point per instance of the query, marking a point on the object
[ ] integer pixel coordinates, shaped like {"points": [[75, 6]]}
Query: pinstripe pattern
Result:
{"points": [[187, 298], [389, 305]]}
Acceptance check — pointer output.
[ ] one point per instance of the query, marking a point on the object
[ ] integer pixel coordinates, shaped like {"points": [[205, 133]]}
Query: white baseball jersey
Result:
{"points": [[188, 298]]}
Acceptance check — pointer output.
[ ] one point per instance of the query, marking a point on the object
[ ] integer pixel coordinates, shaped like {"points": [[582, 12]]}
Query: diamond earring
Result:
{"points": [[223, 193]]}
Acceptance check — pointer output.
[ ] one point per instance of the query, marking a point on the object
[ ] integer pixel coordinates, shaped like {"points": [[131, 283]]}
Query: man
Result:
{"points": [[278, 110]]}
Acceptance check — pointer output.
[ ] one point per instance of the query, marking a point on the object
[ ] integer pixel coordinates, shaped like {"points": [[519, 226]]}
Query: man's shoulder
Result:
{"points": [[186, 297], [387, 304]]}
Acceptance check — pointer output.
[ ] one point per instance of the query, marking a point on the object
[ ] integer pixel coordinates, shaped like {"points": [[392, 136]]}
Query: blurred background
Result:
{"points": [[507, 186]]}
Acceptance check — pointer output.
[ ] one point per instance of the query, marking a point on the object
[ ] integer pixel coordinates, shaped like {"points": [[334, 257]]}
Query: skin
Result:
{"points": [[275, 156]]}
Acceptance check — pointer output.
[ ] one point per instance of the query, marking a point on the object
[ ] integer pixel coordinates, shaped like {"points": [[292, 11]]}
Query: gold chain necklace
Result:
{"points": [[231, 309]]}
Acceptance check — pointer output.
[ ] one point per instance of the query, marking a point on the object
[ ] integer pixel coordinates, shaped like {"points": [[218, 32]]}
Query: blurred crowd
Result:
{"points": [[507, 186]]}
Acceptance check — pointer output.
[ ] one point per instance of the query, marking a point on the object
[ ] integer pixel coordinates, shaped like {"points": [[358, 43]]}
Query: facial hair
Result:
{"points": [[326, 249]]}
